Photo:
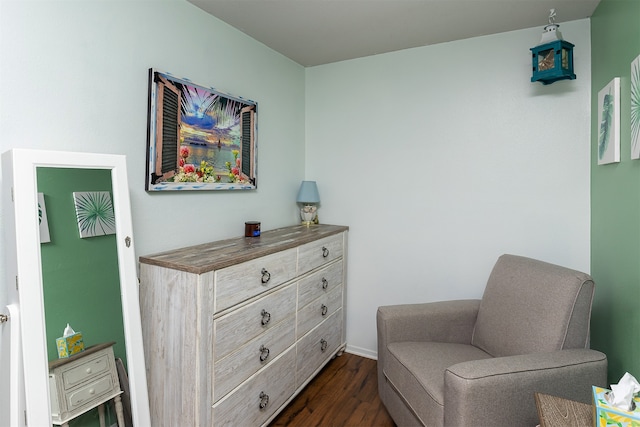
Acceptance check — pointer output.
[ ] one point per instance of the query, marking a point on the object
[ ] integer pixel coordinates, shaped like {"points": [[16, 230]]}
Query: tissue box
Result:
{"points": [[609, 415], [69, 345]]}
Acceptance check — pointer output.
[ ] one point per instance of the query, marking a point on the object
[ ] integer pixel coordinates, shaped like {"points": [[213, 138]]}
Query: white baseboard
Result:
{"points": [[364, 352]]}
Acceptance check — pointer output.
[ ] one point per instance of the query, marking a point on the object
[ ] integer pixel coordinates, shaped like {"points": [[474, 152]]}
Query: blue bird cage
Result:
{"points": [[552, 59]]}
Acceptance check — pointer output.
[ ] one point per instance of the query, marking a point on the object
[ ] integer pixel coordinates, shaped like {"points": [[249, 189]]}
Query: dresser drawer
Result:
{"points": [[259, 397], [262, 350], [235, 329], [85, 369], [319, 283], [90, 393], [318, 310], [315, 254], [317, 346], [245, 280]]}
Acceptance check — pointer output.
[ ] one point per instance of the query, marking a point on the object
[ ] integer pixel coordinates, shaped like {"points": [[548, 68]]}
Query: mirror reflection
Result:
{"points": [[81, 283]]}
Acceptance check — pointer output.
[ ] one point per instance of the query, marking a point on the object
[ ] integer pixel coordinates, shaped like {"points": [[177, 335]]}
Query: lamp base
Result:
{"points": [[309, 215], [310, 223]]}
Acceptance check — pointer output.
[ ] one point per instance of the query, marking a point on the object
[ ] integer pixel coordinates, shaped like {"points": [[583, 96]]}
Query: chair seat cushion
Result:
{"points": [[416, 371]]}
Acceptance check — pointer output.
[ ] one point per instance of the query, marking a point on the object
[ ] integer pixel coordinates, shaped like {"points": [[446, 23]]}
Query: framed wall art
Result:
{"points": [[43, 220], [94, 212], [635, 108], [609, 123], [199, 138]]}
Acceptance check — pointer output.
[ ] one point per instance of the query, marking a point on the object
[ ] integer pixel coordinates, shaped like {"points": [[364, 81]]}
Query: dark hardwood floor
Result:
{"points": [[345, 393]]}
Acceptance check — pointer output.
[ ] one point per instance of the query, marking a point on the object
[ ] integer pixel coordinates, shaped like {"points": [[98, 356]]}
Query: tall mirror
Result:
{"points": [[86, 276]]}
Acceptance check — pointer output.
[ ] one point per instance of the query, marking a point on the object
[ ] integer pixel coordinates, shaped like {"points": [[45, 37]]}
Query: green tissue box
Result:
{"points": [[70, 345]]}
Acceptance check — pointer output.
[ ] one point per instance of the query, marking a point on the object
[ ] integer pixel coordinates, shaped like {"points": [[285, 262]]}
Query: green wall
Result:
{"points": [[615, 196], [80, 276]]}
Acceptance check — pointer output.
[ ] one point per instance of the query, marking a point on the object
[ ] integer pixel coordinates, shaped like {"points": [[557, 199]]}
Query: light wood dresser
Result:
{"points": [[82, 382], [234, 329]]}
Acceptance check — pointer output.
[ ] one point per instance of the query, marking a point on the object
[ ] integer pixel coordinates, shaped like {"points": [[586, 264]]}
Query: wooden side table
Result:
{"points": [[82, 382], [556, 411]]}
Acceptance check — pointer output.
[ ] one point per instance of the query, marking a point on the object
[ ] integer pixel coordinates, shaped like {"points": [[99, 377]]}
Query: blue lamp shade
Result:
{"points": [[308, 193]]}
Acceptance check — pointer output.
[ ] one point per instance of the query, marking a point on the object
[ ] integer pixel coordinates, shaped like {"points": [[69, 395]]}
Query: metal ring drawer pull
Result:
{"points": [[264, 353], [264, 400], [323, 345], [266, 317], [266, 276], [325, 283], [324, 309], [325, 252]]}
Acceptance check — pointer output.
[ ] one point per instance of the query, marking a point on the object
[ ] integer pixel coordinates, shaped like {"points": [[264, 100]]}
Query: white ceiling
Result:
{"points": [[315, 32]]}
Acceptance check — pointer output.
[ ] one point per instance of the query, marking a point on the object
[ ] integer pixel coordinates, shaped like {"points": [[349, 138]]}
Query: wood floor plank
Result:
{"points": [[344, 393]]}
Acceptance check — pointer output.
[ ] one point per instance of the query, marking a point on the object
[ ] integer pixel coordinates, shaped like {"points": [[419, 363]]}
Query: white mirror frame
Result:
{"points": [[19, 172]]}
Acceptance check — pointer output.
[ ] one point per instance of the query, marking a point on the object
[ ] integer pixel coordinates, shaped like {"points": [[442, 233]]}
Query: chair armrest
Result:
{"points": [[500, 391], [443, 321]]}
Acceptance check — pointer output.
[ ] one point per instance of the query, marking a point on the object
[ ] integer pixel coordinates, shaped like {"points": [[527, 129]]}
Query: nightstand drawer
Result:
{"points": [[259, 397], [262, 350], [242, 281], [315, 254], [90, 393], [317, 346], [235, 329], [319, 283], [85, 369], [318, 310]]}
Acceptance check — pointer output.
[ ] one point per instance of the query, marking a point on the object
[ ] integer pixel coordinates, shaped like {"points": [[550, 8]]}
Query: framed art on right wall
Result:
{"points": [[609, 123], [635, 108]]}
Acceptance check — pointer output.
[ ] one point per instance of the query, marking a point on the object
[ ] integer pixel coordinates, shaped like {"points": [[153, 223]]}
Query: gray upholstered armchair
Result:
{"points": [[479, 362]]}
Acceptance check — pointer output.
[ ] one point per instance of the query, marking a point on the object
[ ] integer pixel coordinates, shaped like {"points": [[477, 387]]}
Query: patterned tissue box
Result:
{"points": [[70, 345], [606, 414]]}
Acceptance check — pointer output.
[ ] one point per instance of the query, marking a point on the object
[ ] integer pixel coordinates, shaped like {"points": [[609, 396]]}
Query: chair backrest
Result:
{"points": [[532, 306]]}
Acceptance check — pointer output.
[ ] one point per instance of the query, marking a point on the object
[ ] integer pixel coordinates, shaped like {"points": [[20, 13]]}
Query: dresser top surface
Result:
{"points": [[87, 351], [206, 257]]}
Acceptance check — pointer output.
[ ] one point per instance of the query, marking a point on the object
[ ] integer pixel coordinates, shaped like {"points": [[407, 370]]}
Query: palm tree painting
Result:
{"points": [[635, 108], [94, 212], [609, 121]]}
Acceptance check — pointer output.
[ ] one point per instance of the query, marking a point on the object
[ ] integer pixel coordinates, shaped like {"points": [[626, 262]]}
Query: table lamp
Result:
{"points": [[309, 197]]}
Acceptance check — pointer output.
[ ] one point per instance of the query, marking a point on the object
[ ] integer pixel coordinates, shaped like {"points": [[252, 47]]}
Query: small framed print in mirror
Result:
{"points": [[199, 138]]}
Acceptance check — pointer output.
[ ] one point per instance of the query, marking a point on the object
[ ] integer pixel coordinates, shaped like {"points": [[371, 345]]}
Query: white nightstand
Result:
{"points": [[82, 382]]}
